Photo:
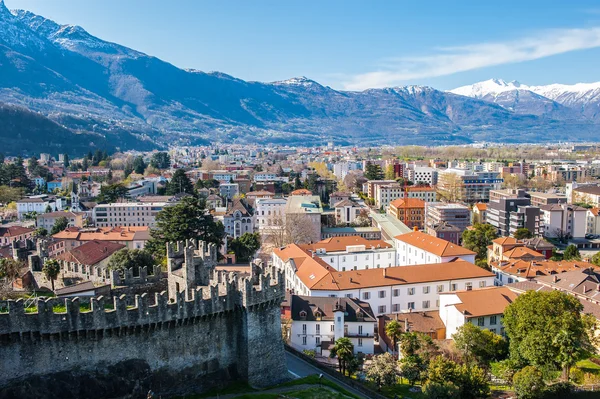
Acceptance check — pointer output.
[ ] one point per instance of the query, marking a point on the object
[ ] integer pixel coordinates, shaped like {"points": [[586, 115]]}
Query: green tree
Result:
{"points": [[528, 383], [160, 160], [479, 238], [9, 268], [40, 232], [389, 173], [245, 246], [409, 344], [112, 193], [382, 371], [596, 259], [546, 329], [51, 270], [373, 171], [481, 346], [60, 224], [10, 194], [344, 351], [297, 183], [179, 183], [130, 259], [185, 220], [66, 162], [571, 253], [411, 367], [393, 330], [85, 164], [139, 165], [522, 233], [444, 390], [471, 380]]}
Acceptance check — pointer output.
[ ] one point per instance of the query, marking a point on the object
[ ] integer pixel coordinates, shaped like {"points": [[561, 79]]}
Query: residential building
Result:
{"points": [[418, 248], [353, 253], [419, 175], [39, 204], [349, 212], [372, 184], [303, 214], [11, 234], [505, 193], [479, 213], [341, 169], [446, 232], [338, 196], [269, 213], [426, 193], [564, 220], [89, 261], [384, 194], [239, 219], [387, 290], [54, 185], [410, 211], [483, 308], [317, 322], [467, 186], [502, 248], [438, 213], [229, 190], [223, 176], [593, 221], [518, 270], [262, 177], [512, 212], [539, 199], [47, 220], [73, 237], [586, 194], [127, 214]]}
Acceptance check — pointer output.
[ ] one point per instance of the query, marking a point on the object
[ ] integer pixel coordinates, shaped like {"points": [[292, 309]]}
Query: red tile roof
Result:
{"points": [[91, 252], [434, 245]]}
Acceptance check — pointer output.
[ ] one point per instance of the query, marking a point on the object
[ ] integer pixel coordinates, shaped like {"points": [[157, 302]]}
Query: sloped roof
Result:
{"points": [[327, 305], [484, 301], [339, 244], [536, 269], [595, 190], [14, 231], [408, 203], [522, 252], [129, 233], [434, 245], [91, 252], [238, 205], [481, 206]]}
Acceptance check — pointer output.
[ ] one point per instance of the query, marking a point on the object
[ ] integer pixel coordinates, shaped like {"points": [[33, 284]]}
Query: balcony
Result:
{"points": [[357, 335]]}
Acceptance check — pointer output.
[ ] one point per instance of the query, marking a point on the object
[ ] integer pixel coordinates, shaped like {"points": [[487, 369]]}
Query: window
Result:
{"points": [[304, 340], [440, 288], [318, 341], [332, 327], [481, 321], [318, 328], [468, 286], [493, 330], [360, 342], [382, 294], [482, 284], [360, 329], [425, 304], [366, 295], [303, 328], [411, 291], [502, 331], [453, 287], [395, 307], [396, 292], [381, 309], [411, 305], [426, 290], [493, 320]]}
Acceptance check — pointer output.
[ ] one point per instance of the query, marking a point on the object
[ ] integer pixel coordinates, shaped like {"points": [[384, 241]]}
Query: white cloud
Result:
{"points": [[450, 60]]}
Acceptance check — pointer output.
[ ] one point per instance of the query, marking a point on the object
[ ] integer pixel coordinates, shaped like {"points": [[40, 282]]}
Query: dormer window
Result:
{"points": [[360, 315], [302, 315], [318, 315]]}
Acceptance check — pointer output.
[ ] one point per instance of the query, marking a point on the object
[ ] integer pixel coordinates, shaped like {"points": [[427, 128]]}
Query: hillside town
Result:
{"points": [[394, 260]]}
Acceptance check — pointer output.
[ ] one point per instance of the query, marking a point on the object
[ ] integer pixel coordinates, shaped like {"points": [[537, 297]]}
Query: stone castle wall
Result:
{"points": [[228, 330]]}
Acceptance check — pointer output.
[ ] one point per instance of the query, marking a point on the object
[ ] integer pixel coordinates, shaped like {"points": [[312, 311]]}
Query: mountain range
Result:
{"points": [[123, 98]]}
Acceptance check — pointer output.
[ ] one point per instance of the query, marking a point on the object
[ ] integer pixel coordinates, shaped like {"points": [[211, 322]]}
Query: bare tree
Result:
{"points": [[450, 187], [287, 229]]}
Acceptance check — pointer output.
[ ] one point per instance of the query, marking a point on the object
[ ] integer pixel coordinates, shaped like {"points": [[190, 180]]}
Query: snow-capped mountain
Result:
{"points": [[581, 100], [133, 99]]}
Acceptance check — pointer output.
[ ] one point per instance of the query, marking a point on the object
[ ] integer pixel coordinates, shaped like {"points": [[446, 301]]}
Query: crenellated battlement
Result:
{"points": [[226, 292], [128, 277]]}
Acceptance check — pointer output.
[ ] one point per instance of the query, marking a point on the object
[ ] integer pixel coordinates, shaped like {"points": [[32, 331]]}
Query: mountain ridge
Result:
{"points": [[67, 74]]}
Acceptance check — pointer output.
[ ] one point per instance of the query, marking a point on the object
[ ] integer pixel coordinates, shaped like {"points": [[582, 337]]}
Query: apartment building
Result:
{"points": [[423, 175], [127, 214], [269, 213], [564, 220], [410, 211], [593, 221], [512, 212], [419, 248], [438, 213], [303, 214], [539, 199], [467, 186], [425, 193], [47, 220], [386, 193]]}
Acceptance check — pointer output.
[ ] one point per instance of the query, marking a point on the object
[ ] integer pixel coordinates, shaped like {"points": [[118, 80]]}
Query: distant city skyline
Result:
{"points": [[351, 45]]}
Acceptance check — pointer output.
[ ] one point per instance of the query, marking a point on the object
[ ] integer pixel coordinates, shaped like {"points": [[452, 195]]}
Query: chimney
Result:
{"points": [[415, 228], [384, 272], [406, 324]]}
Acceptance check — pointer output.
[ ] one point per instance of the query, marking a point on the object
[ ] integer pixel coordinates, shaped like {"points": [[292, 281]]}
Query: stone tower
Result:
{"points": [[189, 264]]}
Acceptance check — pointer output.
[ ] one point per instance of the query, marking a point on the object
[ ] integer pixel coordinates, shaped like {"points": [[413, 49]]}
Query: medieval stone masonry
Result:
{"points": [[188, 340]]}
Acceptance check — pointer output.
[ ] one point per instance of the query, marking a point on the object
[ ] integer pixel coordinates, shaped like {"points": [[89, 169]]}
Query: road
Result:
{"points": [[298, 368]]}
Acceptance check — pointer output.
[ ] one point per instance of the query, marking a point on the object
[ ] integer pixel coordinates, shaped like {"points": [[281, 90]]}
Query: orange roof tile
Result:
{"points": [[485, 301], [531, 269], [481, 206], [335, 244], [91, 252], [522, 252], [408, 203], [434, 245]]}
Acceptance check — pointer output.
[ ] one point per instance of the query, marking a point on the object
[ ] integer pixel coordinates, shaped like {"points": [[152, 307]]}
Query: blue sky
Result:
{"points": [[353, 44]]}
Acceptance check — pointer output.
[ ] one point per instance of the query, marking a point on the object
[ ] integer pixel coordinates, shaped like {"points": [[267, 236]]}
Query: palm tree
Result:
{"points": [[393, 330], [344, 350], [51, 270]]}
